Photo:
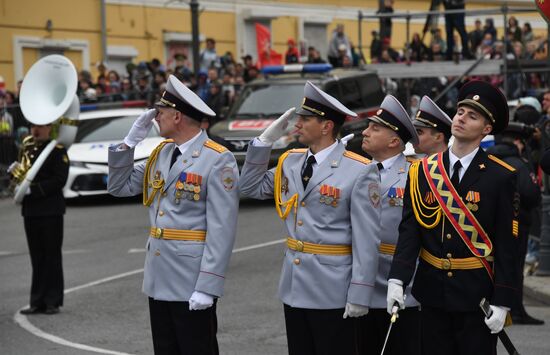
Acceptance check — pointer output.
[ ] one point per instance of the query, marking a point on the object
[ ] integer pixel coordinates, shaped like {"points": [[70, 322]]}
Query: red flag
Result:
{"points": [[544, 8], [266, 55]]}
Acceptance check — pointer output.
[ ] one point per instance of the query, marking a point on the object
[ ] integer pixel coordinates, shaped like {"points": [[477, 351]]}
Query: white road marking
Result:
{"points": [[136, 250], [3, 253], [24, 323]]}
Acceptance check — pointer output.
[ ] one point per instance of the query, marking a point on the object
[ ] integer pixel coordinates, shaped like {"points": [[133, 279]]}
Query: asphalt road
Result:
{"points": [[105, 311]]}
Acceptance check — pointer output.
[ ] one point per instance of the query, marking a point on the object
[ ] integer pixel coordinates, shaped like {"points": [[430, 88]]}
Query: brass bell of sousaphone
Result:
{"points": [[48, 94]]}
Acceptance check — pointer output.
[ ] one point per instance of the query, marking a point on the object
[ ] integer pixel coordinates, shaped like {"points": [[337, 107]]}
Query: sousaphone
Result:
{"points": [[48, 94]]}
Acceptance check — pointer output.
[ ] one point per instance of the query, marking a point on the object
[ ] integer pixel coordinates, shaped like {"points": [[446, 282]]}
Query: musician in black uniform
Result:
{"points": [[460, 219], [43, 209]]}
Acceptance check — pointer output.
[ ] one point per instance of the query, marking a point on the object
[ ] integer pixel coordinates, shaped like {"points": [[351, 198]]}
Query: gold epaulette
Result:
{"points": [[297, 150], [411, 159], [357, 157], [502, 163], [215, 146]]}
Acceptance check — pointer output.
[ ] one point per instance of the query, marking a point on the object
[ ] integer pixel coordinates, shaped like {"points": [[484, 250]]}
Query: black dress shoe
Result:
{"points": [[32, 310], [51, 310], [526, 319]]}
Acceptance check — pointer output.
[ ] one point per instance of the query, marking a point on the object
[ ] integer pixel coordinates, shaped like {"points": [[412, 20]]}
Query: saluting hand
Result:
{"points": [[277, 128], [140, 128]]}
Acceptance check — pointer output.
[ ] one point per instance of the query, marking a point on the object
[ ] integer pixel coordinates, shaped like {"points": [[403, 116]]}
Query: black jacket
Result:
{"points": [[462, 290], [46, 197]]}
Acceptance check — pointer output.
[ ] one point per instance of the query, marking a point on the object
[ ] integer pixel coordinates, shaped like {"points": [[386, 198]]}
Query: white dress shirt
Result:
{"points": [[465, 161]]}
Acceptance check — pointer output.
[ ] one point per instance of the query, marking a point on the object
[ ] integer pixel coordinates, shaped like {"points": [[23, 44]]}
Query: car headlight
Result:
{"points": [[78, 164], [283, 142]]}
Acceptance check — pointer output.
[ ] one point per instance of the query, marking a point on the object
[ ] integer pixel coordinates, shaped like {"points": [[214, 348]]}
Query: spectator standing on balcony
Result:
{"points": [[387, 53], [385, 22], [292, 55], [375, 46], [452, 22], [527, 33], [437, 38], [338, 38], [514, 31], [490, 28], [419, 51], [209, 57], [476, 36]]}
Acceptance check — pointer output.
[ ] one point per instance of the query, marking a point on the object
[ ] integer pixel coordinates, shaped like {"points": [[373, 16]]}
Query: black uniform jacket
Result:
{"points": [[46, 197], [462, 290]]}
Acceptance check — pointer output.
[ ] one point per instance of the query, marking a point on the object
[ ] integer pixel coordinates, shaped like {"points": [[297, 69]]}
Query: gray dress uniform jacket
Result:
{"points": [[176, 268], [395, 177], [316, 281]]}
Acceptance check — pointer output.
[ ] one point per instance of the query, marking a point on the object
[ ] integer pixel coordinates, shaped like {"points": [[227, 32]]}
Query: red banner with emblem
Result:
{"points": [[266, 55], [544, 8]]}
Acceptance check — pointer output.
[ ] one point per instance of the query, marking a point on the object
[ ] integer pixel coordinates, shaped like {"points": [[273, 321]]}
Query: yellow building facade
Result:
{"points": [[139, 30]]}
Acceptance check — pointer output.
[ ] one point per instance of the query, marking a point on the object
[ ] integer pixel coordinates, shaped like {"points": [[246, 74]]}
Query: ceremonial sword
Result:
{"points": [[394, 310], [510, 348]]}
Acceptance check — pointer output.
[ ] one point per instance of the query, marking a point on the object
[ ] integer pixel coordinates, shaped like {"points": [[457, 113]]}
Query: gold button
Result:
{"points": [[300, 223], [157, 252], [450, 274], [303, 204], [296, 261], [158, 233], [161, 213], [449, 255], [446, 264], [449, 236], [299, 246]]}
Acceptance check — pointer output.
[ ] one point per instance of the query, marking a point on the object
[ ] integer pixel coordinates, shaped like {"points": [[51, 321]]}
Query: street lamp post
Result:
{"points": [[194, 4]]}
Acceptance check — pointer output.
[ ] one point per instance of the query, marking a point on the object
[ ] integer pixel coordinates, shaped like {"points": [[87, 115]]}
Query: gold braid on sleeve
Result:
{"points": [[428, 217]]}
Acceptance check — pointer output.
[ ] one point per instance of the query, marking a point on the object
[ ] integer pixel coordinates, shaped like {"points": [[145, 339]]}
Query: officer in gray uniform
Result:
{"points": [[433, 127], [329, 200], [190, 185], [384, 139]]}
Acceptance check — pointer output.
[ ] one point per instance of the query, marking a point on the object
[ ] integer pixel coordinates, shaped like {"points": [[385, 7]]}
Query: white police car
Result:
{"points": [[97, 130]]}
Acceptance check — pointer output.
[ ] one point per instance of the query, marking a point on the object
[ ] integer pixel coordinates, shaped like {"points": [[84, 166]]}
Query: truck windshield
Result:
{"points": [[263, 100]]}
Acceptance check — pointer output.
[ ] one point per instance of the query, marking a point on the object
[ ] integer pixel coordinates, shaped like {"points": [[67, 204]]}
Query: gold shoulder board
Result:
{"points": [[215, 146], [412, 160], [298, 150], [356, 157], [502, 163]]}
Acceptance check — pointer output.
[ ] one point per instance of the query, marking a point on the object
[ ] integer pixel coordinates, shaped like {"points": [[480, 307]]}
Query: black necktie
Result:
{"points": [[455, 179], [308, 171], [380, 166], [175, 154]]}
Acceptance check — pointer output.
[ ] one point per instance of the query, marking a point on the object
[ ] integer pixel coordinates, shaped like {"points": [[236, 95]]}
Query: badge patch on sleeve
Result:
{"points": [[228, 178], [374, 194]]}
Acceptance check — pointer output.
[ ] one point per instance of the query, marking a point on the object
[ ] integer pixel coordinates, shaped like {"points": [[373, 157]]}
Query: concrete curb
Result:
{"points": [[537, 287]]}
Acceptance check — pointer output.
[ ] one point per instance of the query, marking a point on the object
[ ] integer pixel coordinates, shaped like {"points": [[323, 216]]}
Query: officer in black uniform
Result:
{"points": [[43, 209], [510, 147], [460, 221]]}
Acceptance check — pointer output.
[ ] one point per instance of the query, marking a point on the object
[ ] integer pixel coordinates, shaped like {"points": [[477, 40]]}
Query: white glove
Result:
{"points": [[355, 310], [395, 294], [200, 301], [346, 139], [496, 321], [13, 166], [140, 128], [277, 128], [17, 187]]}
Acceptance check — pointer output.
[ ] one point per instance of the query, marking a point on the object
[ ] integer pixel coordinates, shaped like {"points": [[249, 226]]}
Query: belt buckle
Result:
{"points": [[299, 246], [158, 233], [446, 264]]}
